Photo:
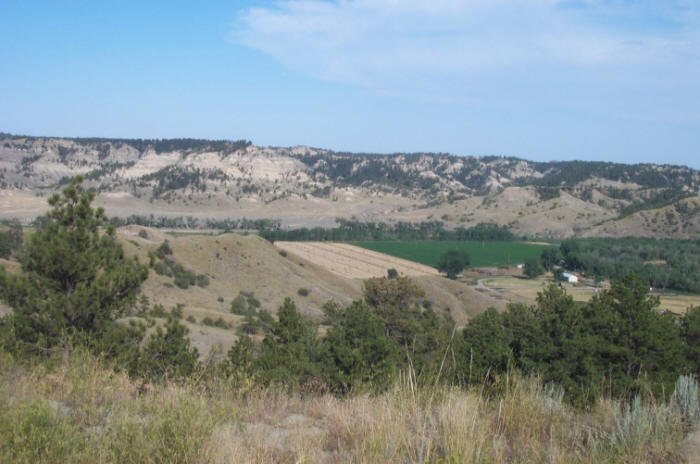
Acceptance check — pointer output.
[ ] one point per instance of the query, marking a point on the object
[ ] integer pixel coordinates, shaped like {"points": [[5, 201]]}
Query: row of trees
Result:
{"points": [[191, 222], [351, 230], [617, 344]]}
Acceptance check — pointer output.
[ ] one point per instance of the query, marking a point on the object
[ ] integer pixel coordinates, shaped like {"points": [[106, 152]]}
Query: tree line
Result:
{"points": [[662, 264], [191, 222], [352, 230]]}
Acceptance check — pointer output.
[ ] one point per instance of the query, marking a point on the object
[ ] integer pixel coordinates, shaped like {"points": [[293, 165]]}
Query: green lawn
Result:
{"points": [[481, 253]]}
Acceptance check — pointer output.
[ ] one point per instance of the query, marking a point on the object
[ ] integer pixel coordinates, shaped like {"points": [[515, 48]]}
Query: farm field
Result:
{"points": [[351, 261], [482, 254], [525, 291]]}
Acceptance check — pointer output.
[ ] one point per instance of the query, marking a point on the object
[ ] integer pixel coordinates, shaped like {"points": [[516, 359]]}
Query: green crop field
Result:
{"points": [[481, 253]]}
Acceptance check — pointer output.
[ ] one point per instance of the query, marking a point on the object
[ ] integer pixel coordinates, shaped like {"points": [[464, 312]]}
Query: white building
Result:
{"points": [[568, 277]]}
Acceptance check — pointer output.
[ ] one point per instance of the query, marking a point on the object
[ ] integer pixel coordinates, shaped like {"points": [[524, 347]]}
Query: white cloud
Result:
{"points": [[471, 49]]}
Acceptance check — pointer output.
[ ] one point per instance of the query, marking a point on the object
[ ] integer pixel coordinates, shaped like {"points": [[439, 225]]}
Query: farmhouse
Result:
{"points": [[568, 277]]}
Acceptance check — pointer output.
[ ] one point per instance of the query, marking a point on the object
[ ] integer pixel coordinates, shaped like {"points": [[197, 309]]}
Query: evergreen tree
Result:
{"points": [[75, 279], [563, 351], [691, 335], [485, 350], [636, 347], [168, 353], [358, 352], [238, 366], [421, 335], [289, 353]]}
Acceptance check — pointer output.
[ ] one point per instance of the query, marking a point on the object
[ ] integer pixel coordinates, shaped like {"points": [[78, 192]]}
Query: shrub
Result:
{"points": [[33, 431], [164, 250], [239, 305], [303, 292], [176, 311]]}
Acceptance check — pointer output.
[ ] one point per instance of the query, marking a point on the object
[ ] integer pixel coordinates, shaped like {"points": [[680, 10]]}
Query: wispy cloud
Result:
{"points": [[467, 49]]}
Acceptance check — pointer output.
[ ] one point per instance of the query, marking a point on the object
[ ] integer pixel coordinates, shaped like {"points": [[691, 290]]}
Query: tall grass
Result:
{"points": [[83, 412]]}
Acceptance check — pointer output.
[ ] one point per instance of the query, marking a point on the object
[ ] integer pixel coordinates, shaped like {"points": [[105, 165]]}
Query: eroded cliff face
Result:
{"points": [[304, 186]]}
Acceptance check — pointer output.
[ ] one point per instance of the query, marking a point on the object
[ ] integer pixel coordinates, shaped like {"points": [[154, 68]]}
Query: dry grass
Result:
{"points": [[82, 412], [353, 262]]}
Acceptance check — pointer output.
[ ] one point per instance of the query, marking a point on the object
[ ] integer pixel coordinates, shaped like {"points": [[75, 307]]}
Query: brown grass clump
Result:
{"points": [[84, 412]]}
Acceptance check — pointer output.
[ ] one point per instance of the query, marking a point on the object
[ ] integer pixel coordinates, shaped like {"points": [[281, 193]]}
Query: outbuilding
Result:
{"points": [[569, 277]]}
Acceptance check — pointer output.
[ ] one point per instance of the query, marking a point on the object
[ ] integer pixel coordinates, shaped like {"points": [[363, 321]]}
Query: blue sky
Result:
{"points": [[615, 80]]}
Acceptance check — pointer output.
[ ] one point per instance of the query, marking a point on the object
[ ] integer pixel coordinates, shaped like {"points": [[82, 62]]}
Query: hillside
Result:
{"points": [[301, 186], [236, 263]]}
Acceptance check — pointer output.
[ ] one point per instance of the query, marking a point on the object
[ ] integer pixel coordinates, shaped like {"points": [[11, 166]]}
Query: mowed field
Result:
{"points": [[353, 262], [482, 254]]}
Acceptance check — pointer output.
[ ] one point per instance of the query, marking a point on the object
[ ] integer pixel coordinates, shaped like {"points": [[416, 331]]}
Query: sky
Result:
{"points": [[610, 80]]}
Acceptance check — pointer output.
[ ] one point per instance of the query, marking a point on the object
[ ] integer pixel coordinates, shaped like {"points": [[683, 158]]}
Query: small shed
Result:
{"points": [[569, 277]]}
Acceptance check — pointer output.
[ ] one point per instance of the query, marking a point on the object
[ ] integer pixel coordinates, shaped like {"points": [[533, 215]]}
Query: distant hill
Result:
{"points": [[304, 186]]}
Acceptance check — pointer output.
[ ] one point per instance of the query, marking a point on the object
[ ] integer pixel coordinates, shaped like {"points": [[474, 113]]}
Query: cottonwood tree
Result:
{"points": [[453, 262]]}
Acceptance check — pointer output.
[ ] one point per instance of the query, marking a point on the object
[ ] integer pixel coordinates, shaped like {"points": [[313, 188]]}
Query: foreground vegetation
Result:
{"points": [[81, 411]]}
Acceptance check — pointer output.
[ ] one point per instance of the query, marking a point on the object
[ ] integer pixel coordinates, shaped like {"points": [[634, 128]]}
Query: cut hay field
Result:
{"points": [[353, 262], [482, 254]]}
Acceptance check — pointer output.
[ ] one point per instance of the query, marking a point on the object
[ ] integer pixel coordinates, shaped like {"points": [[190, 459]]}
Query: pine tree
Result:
{"points": [[289, 353], [168, 353], [75, 279], [357, 351]]}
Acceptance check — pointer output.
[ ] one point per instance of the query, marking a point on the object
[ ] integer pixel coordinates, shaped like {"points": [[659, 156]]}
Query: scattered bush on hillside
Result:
{"points": [[303, 291], [163, 263], [218, 322]]}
